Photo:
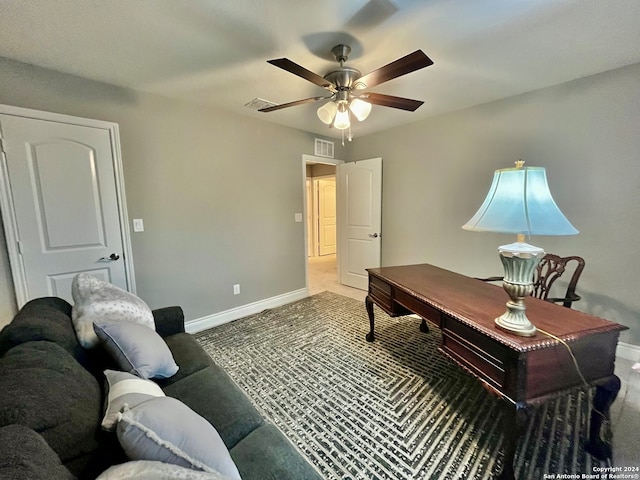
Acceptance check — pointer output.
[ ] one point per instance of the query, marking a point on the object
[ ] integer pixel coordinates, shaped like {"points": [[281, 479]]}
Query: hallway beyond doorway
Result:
{"points": [[323, 276]]}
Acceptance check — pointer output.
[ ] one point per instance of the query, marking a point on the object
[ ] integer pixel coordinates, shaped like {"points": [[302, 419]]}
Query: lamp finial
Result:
{"points": [[519, 163]]}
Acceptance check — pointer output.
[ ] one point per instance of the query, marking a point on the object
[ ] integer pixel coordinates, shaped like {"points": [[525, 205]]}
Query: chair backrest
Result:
{"points": [[552, 267]]}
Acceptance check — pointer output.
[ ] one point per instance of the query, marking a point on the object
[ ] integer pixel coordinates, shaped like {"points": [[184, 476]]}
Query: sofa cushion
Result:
{"points": [[166, 430], [44, 388], [125, 389], [212, 394], [150, 470], [46, 318], [92, 464], [136, 348], [267, 453], [26, 456], [95, 299], [188, 354]]}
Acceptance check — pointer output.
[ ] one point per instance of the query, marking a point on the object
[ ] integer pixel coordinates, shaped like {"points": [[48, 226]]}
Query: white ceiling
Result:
{"points": [[215, 51]]}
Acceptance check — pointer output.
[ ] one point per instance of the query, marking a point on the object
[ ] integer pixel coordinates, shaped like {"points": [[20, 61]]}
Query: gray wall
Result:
{"points": [[217, 192], [437, 172]]}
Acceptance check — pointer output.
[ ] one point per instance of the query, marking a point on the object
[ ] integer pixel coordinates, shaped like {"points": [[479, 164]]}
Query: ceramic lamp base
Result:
{"points": [[519, 261]]}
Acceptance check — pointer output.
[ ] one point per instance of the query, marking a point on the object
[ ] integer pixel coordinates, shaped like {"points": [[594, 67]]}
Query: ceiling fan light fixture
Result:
{"points": [[360, 108], [327, 112], [341, 122]]}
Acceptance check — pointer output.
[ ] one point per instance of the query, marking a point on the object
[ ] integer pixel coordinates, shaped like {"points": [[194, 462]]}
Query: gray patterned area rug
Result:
{"points": [[393, 409]]}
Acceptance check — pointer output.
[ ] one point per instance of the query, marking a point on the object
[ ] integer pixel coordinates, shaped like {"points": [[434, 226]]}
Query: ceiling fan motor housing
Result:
{"points": [[344, 78]]}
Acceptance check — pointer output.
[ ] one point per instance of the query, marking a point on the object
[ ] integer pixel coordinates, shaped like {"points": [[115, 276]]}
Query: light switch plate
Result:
{"points": [[298, 217], [138, 225]]}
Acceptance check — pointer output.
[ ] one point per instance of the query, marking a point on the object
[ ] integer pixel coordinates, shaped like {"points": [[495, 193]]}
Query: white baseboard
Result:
{"points": [[628, 351], [199, 324]]}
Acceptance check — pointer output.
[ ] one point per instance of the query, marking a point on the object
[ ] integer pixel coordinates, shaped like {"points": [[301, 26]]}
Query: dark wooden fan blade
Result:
{"points": [[291, 104], [291, 67], [410, 63], [391, 101]]}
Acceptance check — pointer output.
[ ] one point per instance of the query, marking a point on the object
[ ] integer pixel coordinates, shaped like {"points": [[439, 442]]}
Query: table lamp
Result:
{"points": [[519, 201]]}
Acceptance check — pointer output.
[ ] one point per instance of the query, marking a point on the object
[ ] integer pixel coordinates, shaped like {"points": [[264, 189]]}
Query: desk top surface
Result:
{"points": [[477, 304]]}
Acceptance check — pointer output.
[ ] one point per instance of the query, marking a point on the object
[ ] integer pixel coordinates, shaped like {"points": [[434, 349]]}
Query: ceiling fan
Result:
{"points": [[348, 87]]}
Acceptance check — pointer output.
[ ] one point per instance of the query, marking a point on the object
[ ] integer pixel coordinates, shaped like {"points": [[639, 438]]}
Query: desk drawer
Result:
{"points": [[380, 285], [482, 355], [381, 292], [418, 307]]}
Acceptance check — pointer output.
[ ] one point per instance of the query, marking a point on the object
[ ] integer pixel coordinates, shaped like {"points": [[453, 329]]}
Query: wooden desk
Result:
{"points": [[523, 371]]}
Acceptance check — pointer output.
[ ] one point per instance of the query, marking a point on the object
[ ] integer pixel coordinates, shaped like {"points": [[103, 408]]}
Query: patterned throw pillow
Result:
{"points": [[99, 300]]}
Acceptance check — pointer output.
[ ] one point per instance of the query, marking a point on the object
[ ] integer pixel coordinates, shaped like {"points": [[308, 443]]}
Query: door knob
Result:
{"points": [[373, 235], [110, 258]]}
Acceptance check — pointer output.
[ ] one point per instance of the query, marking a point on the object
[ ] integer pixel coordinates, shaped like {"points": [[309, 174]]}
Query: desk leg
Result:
{"points": [[424, 328], [606, 393], [369, 304], [514, 423]]}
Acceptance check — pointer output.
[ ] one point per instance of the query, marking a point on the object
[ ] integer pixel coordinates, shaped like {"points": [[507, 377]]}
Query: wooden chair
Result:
{"points": [[550, 269]]}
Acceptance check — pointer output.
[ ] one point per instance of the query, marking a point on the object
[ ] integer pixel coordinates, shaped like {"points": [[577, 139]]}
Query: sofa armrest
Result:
{"points": [[169, 320]]}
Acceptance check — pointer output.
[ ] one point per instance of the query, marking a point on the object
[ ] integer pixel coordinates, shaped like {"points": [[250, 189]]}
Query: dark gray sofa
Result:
{"points": [[52, 396]]}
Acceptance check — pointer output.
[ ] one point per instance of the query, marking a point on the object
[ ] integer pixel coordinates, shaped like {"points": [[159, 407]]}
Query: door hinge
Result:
{"points": [[20, 252]]}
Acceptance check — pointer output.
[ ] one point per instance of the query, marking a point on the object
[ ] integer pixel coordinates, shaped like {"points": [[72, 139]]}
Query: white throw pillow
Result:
{"points": [[96, 299], [151, 470]]}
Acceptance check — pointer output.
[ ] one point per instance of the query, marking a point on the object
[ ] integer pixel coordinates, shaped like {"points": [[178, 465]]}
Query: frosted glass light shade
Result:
{"points": [[341, 121], [519, 201], [360, 108], [327, 112]]}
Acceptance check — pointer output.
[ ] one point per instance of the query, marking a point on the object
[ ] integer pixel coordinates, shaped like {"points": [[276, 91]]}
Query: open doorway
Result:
{"points": [[320, 227]]}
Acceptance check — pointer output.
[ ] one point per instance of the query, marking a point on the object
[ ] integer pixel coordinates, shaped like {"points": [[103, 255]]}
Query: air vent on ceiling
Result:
{"points": [[324, 148], [258, 103]]}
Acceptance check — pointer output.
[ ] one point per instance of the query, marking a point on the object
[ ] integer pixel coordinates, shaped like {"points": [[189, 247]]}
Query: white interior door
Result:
{"points": [[64, 204], [359, 197], [327, 215]]}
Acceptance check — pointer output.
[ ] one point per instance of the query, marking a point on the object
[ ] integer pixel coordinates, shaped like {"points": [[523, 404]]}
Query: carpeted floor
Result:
{"points": [[393, 409]]}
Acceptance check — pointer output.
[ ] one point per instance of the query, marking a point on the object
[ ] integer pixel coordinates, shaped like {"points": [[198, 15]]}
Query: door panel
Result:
{"points": [[359, 219], [60, 284], [65, 203]]}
